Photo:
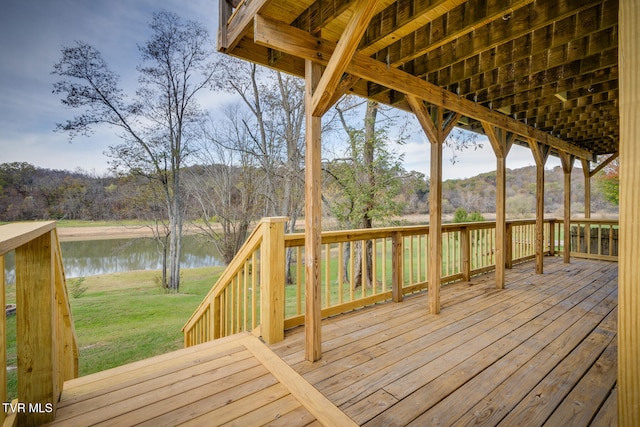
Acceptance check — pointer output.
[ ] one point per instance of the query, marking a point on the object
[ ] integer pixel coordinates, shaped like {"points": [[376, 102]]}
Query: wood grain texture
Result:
{"points": [[313, 216], [629, 325], [487, 354]]}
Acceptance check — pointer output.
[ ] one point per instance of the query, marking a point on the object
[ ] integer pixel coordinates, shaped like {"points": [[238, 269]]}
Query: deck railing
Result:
{"points": [[257, 291], [594, 239], [47, 350], [467, 250], [234, 303]]}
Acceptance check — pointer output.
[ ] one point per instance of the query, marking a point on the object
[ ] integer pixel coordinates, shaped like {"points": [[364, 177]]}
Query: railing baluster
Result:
{"points": [[352, 273], [384, 265], [411, 258], [327, 281], [374, 266], [340, 272], [254, 290], [397, 266]]}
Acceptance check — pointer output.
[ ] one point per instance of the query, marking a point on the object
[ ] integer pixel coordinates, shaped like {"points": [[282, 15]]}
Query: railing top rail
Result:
{"points": [[328, 237], [595, 221], [14, 235]]}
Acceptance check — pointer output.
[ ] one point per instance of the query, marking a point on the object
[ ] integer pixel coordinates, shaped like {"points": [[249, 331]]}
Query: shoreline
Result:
{"points": [[108, 232]]}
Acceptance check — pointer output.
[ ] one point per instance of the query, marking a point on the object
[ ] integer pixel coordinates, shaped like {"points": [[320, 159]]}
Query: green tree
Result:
{"points": [[461, 215], [609, 182], [361, 187]]}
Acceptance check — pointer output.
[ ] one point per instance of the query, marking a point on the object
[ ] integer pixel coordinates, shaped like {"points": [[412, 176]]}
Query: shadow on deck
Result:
{"points": [[541, 352]]}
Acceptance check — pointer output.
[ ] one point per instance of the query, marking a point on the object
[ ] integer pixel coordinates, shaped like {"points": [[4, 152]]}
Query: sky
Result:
{"points": [[32, 34]]}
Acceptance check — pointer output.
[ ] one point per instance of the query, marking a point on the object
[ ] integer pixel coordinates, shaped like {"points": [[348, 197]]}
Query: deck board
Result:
{"points": [[529, 352], [540, 352], [233, 381]]}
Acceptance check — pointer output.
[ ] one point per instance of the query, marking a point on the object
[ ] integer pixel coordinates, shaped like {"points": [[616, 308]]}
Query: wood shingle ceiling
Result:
{"points": [[549, 64]]}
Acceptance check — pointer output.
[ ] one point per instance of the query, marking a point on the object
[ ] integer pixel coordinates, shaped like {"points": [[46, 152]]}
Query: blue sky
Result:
{"points": [[32, 33]]}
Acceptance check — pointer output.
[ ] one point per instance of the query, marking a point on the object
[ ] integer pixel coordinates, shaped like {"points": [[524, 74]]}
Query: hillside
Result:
{"points": [[28, 192], [478, 193]]}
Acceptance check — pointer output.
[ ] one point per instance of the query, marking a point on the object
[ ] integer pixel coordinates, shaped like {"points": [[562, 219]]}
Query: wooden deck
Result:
{"points": [[232, 381], [541, 352]]}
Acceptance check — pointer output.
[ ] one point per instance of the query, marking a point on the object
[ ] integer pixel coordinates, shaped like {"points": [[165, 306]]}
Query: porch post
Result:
{"points": [[540, 154], [436, 128], [435, 227], [501, 144], [586, 170], [567, 166], [312, 218], [629, 268]]}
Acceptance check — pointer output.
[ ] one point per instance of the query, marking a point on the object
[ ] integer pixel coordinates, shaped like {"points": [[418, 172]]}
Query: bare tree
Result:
{"points": [[275, 127], [157, 128], [225, 185]]}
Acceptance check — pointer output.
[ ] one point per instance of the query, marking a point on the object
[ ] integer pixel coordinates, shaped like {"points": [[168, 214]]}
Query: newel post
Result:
{"points": [[36, 344], [508, 244], [465, 248], [272, 279]]}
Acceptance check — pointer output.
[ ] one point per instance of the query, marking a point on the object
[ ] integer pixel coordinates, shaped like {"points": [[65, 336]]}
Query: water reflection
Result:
{"points": [[93, 257]]}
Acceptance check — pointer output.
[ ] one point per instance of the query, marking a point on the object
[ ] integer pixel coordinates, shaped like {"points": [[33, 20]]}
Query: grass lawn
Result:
{"points": [[124, 317]]}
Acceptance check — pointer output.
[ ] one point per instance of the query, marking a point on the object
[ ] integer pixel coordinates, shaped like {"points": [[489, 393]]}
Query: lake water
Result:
{"points": [[94, 257]]}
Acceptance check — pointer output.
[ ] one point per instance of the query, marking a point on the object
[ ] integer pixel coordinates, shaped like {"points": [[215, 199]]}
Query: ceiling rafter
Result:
{"points": [[280, 36], [362, 13]]}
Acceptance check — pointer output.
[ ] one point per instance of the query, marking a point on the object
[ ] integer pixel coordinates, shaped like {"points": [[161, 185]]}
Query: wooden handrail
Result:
{"points": [[211, 317], [46, 342]]}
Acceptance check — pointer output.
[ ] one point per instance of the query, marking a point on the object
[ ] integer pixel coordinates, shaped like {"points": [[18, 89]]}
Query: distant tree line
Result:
{"points": [[28, 192]]}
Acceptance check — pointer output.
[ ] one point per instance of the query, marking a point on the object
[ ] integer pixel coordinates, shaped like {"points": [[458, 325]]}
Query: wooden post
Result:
{"points": [[586, 170], [501, 144], [397, 266], [501, 207], [508, 248], [436, 129], [629, 267], [435, 227], [465, 248], [540, 154], [36, 343], [312, 218], [552, 238], [567, 166], [272, 279]]}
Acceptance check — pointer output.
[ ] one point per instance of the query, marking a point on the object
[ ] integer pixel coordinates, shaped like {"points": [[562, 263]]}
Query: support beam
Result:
{"points": [[501, 143], [312, 219], [436, 130], [629, 267], [604, 164], [362, 13], [567, 167], [298, 43], [540, 155]]}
